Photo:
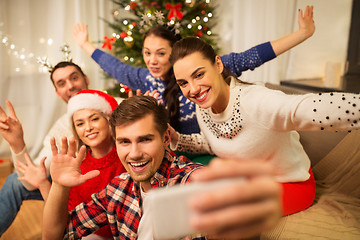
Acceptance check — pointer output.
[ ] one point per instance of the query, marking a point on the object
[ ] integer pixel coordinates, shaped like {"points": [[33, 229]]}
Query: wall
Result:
{"points": [[241, 25], [245, 23], [37, 28]]}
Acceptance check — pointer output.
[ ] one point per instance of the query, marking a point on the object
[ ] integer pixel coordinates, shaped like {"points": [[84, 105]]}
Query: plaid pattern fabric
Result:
{"points": [[118, 204]]}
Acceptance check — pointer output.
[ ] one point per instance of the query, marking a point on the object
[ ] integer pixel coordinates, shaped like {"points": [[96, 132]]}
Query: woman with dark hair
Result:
{"points": [[158, 75], [248, 121]]}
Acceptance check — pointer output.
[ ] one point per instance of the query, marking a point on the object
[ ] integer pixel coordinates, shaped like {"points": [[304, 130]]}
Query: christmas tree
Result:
{"points": [[187, 17]]}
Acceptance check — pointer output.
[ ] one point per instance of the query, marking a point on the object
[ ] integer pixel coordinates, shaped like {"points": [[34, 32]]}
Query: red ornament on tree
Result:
{"points": [[133, 5], [108, 42], [151, 4], [123, 35], [174, 11], [199, 34]]}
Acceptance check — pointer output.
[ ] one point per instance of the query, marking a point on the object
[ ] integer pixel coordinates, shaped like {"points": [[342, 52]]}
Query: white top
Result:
{"points": [[258, 123], [145, 231]]}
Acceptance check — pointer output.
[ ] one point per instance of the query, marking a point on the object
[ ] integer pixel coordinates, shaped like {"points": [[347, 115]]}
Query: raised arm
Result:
{"points": [[306, 30], [81, 36], [65, 173], [124, 73], [12, 132], [262, 53], [11, 129]]}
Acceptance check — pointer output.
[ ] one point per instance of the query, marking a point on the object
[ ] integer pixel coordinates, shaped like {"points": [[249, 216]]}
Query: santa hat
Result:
{"points": [[91, 99]]}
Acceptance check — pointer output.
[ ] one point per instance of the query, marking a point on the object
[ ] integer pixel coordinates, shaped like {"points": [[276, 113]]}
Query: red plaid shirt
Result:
{"points": [[119, 203]]}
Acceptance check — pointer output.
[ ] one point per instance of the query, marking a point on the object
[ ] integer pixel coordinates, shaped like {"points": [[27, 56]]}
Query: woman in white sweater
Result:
{"points": [[248, 121]]}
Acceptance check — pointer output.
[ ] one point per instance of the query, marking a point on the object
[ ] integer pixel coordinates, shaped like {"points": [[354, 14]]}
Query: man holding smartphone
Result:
{"points": [[141, 133]]}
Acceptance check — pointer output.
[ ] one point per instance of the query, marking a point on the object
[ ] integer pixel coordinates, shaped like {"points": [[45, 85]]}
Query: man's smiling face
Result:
{"points": [[141, 149]]}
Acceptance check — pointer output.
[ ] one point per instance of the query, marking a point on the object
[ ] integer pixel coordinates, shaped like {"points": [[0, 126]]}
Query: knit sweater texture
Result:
{"points": [[259, 123], [109, 166]]}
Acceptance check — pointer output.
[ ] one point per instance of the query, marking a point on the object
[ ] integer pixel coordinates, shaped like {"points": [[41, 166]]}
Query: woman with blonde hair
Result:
{"points": [[89, 111]]}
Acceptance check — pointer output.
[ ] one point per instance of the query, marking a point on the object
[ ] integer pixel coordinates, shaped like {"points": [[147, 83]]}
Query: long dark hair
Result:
{"points": [[172, 90], [189, 45]]}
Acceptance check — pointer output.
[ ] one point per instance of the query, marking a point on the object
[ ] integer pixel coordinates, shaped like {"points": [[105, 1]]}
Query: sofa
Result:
{"points": [[335, 213]]}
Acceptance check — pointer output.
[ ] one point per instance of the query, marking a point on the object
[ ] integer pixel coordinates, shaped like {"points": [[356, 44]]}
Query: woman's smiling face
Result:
{"points": [[92, 128], [156, 53], [201, 82]]}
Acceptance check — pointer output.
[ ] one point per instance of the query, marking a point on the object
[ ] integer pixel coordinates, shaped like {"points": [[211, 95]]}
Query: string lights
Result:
{"points": [[24, 58]]}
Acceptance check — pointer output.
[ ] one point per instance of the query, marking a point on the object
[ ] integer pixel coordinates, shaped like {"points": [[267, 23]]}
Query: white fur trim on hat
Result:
{"points": [[88, 101]]}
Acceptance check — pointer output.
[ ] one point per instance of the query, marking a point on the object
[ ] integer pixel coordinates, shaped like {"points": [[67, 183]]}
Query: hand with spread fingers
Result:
{"points": [[306, 30], [306, 21], [32, 174], [155, 94], [81, 36], [36, 176], [65, 166]]}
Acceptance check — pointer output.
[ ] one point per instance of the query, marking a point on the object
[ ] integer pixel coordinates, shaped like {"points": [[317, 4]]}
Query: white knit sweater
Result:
{"points": [[258, 123]]}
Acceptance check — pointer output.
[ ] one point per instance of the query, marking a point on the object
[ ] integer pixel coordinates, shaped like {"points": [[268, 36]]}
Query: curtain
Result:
{"points": [[246, 23], [38, 28]]}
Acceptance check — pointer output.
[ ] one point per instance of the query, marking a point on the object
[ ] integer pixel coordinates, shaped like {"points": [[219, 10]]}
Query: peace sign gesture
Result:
{"points": [[11, 129]]}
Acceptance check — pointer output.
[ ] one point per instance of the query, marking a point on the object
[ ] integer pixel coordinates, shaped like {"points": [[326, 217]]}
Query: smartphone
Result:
{"points": [[170, 212]]}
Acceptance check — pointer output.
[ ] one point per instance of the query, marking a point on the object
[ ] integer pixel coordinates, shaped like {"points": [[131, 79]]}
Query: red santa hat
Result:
{"points": [[91, 99]]}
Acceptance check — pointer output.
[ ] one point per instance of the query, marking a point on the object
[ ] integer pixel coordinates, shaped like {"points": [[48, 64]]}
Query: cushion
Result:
{"points": [[335, 213]]}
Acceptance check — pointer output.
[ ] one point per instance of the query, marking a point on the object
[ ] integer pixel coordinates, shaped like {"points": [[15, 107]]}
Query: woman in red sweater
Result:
{"points": [[89, 112]]}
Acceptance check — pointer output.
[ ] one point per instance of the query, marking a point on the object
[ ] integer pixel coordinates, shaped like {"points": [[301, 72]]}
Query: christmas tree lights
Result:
{"points": [[132, 18]]}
